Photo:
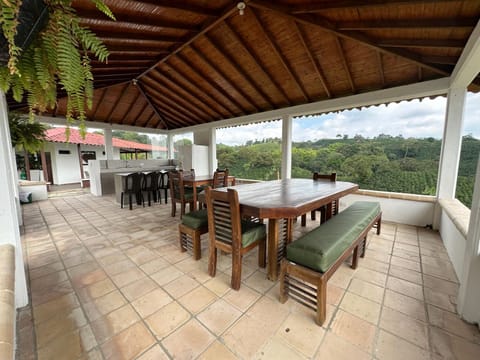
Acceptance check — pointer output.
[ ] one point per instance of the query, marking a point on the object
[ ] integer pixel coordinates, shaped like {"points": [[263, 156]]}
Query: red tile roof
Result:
{"points": [[59, 135]]}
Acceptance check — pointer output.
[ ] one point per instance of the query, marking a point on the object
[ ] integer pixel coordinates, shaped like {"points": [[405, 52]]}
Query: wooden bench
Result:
{"points": [[313, 258], [193, 225]]}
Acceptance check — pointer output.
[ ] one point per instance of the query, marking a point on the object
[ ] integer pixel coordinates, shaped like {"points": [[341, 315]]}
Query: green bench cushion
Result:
{"points": [[252, 231], [196, 219], [321, 247]]}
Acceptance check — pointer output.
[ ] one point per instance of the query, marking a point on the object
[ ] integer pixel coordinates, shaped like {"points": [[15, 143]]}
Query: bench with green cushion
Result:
{"points": [[315, 256], [193, 225]]}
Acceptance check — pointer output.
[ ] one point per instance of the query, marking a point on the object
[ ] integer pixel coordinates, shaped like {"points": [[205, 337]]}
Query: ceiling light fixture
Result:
{"points": [[241, 7], [134, 82]]}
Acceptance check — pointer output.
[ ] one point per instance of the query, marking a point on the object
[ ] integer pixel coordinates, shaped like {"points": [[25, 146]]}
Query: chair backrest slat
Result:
{"points": [[220, 178], [332, 177]]}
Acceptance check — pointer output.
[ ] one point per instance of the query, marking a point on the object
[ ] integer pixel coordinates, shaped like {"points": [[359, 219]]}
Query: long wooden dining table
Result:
{"points": [[280, 201], [201, 180]]}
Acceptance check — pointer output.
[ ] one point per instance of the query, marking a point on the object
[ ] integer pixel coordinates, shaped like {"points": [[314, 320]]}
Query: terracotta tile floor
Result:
{"points": [[112, 283]]}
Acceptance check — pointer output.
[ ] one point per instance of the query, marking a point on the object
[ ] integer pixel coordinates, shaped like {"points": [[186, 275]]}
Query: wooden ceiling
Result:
{"points": [[175, 64]]}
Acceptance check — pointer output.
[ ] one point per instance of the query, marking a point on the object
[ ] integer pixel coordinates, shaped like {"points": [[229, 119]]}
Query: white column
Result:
{"points": [[170, 146], [108, 143], [212, 150], [469, 293], [287, 146], [9, 228], [451, 144]]}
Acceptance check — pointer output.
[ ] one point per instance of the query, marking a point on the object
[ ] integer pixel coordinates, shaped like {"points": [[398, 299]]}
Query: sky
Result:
{"points": [[413, 118]]}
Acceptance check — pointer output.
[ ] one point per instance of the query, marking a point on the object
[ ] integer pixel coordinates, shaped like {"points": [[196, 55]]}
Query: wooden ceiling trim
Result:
{"points": [[212, 84], [359, 37], [194, 111], [130, 107], [381, 71], [99, 103], [159, 97], [422, 43], [207, 80], [340, 4], [316, 64], [189, 82], [341, 53], [286, 65], [142, 91], [224, 77], [114, 107], [229, 10], [248, 79], [175, 88], [467, 23], [222, 54]]}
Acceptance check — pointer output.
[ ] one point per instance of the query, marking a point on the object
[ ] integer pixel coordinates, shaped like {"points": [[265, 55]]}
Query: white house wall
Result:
{"points": [[65, 167]]}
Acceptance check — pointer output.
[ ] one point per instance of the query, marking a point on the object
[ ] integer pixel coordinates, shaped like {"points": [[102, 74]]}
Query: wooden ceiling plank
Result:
{"points": [[166, 105], [445, 60], [283, 60], [381, 71], [224, 77], [142, 91], [192, 110], [114, 107], [100, 103], [182, 6], [230, 9], [341, 53], [200, 95], [313, 59], [127, 113], [211, 83], [133, 35], [243, 73], [340, 4], [408, 24], [422, 43], [361, 38], [139, 115]]}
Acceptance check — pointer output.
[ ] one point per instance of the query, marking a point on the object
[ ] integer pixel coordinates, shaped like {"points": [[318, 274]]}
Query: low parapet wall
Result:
{"points": [[7, 301]]}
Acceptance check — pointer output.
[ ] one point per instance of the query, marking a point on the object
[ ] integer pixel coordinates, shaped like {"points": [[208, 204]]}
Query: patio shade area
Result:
{"points": [[109, 283]]}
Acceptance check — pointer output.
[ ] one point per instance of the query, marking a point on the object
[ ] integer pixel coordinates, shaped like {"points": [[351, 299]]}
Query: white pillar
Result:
{"points": [[170, 147], [212, 150], [108, 143], [287, 146], [469, 293], [9, 228], [451, 144]]}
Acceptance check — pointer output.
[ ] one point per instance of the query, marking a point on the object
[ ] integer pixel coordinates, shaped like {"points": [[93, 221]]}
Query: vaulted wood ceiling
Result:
{"points": [[175, 64]]}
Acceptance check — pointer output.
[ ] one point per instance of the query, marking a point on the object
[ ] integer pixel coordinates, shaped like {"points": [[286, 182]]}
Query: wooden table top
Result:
{"points": [[288, 198]]}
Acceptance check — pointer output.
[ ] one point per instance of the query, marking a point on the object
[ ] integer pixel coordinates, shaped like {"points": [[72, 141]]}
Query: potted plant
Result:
{"points": [[44, 50]]}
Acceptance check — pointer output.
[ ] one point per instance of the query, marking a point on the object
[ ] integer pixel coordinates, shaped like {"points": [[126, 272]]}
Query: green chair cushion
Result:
{"points": [[196, 219], [188, 193], [252, 231], [321, 247]]}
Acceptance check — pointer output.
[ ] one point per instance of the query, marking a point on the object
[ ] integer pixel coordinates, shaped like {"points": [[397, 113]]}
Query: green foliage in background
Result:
{"points": [[25, 134], [384, 163]]}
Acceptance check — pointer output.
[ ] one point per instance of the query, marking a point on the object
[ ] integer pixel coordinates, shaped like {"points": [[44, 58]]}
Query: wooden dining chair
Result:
{"points": [[178, 192], [331, 208], [229, 233], [220, 178]]}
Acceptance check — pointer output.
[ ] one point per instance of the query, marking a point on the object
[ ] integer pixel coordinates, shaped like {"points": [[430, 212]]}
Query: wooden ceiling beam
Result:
{"points": [[408, 24], [246, 76], [199, 92], [421, 43], [283, 60], [341, 4], [133, 55], [120, 62], [181, 115], [230, 9], [212, 84], [116, 77], [315, 63], [350, 35], [182, 6], [221, 74], [341, 53], [199, 95], [118, 34], [139, 115], [142, 91], [100, 102], [192, 110], [116, 69], [130, 107], [118, 100], [445, 60]]}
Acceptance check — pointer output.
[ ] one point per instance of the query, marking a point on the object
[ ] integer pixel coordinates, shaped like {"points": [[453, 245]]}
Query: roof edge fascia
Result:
{"points": [[385, 96]]}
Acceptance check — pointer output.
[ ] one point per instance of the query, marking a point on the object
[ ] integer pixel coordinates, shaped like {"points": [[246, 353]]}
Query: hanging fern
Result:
{"points": [[57, 57]]}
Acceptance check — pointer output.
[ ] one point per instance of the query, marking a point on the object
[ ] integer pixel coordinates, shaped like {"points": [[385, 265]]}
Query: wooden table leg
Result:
{"points": [[194, 198], [272, 249]]}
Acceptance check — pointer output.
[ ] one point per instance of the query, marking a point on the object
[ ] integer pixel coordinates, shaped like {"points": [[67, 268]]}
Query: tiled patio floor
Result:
{"points": [[112, 283]]}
